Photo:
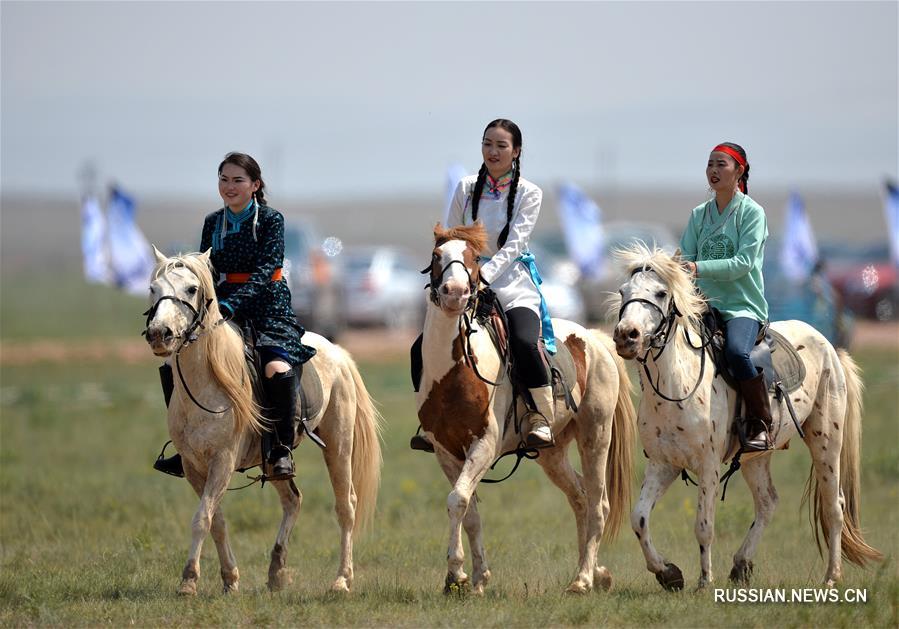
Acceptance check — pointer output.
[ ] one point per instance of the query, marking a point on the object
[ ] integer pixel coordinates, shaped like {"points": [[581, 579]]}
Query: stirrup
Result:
{"points": [[754, 445], [420, 442], [282, 467], [531, 439], [171, 466]]}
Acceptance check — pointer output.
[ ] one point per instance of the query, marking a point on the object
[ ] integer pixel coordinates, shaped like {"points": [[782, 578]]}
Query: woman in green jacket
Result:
{"points": [[724, 246]]}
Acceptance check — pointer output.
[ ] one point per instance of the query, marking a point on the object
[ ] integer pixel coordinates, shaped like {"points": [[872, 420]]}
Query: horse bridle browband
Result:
{"points": [[187, 337]]}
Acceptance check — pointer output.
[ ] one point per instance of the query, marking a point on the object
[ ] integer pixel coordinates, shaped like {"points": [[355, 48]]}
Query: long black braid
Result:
{"points": [[510, 202], [478, 189]]}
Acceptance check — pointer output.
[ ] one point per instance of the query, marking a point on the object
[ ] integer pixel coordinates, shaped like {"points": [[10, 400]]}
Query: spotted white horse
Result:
{"points": [[657, 324], [465, 416], [215, 425]]}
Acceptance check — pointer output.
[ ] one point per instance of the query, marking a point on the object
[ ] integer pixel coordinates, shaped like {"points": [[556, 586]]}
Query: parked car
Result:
{"points": [[559, 288], [815, 300], [865, 278], [315, 279], [384, 287]]}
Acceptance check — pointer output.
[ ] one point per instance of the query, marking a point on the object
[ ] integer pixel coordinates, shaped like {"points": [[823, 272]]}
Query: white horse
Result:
{"points": [[211, 371], [466, 417], [659, 308]]}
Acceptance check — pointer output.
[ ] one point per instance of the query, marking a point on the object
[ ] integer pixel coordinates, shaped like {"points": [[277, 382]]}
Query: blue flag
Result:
{"points": [[798, 250], [891, 207], [130, 256], [454, 175], [582, 226], [94, 242]]}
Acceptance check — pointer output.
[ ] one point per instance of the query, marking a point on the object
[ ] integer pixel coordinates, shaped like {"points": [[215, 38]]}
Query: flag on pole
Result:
{"points": [[94, 243], [798, 250], [454, 175], [130, 256], [582, 226], [891, 207]]}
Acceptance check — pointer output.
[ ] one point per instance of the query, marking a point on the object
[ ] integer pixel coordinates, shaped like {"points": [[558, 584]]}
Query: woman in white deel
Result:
{"points": [[508, 205]]}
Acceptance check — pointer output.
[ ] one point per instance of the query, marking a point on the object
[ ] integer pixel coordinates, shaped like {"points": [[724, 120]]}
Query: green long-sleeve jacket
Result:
{"points": [[729, 248]]}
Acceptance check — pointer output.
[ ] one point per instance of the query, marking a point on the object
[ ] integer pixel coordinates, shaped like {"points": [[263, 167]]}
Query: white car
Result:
{"points": [[384, 287]]}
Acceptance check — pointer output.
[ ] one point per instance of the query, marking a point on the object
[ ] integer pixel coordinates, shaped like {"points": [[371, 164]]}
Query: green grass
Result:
{"points": [[91, 535]]}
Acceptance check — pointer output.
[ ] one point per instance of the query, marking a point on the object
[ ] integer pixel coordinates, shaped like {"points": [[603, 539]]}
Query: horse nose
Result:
{"points": [[158, 333], [456, 290], [625, 333]]}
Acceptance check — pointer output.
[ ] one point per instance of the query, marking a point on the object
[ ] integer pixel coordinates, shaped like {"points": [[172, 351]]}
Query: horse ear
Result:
{"points": [[160, 257], [205, 256]]}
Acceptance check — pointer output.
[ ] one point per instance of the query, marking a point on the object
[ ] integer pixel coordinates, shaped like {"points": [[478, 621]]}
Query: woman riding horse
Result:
{"points": [[508, 206], [724, 246], [246, 237]]}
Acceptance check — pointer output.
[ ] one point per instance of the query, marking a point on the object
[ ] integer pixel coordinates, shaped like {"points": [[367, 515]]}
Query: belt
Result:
{"points": [[243, 278]]}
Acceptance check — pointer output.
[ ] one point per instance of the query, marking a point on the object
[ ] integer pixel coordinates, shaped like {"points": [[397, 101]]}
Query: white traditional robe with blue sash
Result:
{"points": [[510, 271]]}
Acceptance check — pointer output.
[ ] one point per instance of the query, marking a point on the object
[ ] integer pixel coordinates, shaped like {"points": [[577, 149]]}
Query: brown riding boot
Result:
{"points": [[758, 422]]}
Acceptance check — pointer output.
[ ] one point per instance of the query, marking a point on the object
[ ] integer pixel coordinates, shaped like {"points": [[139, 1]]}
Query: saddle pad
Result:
{"points": [[310, 390], [564, 373], [788, 365]]}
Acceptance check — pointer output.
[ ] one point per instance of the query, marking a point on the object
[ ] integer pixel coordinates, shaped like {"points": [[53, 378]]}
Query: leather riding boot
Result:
{"points": [[758, 422], [539, 420], [173, 464], [420, 442], [281, 397]]}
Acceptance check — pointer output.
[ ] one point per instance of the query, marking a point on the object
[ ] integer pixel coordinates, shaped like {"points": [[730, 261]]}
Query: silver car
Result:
{"points": [[384, 287]]}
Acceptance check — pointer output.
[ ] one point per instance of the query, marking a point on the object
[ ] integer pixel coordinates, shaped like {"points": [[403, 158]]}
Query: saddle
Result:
{"points": [[560, 365], [779, 361], [309, 387]]}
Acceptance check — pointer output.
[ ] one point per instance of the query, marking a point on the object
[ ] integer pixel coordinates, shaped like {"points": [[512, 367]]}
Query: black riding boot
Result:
{"points": [[418, 441], [281, 398], [171, 465], [758, 422]]}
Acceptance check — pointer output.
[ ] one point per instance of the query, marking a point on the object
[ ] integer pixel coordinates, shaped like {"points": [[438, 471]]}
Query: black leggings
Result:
{"points": [[524, 333], [524, 330]]}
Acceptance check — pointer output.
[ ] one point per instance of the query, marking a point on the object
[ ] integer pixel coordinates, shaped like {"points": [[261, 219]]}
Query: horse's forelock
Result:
{"points": [[639, 257], [474, 235]]}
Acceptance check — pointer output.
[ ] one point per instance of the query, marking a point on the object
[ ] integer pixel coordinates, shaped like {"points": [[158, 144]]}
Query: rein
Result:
{"points": [[187, 337]]}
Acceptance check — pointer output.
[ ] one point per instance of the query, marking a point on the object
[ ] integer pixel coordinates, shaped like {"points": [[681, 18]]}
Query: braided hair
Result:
{"points": [[513, 129], [743, 183]]}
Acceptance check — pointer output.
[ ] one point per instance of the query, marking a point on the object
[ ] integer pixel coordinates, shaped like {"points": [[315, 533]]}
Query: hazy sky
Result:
{"points": [[357, 99]]}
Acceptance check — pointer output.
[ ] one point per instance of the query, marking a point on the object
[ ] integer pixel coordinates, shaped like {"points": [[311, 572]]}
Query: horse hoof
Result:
{"points": [[340, 585], [741, 572], [187, 588], [602, 579], [230, 588], [576, 587], [456, 585], [671, 578]]}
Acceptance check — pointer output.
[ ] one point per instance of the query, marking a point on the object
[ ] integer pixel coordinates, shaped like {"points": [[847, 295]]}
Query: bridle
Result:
{"points": [[437, 279], [187, 337], [661, 336]]}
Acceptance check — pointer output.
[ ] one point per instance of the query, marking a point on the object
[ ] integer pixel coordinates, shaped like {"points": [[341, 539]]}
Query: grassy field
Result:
{"points": [[91, 535]]}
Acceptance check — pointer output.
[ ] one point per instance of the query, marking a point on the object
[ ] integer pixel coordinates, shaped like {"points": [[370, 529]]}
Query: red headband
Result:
{"points": [[723, 148]]}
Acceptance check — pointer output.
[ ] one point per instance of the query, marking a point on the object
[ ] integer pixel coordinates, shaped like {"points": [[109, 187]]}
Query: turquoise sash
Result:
{"points": [[546, 324]]}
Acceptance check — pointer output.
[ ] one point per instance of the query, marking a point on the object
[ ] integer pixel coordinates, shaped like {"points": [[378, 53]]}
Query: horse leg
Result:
{"points": [[480, 456], [757, 474], [704, 527], [291, 499], [209, 516], [338, 458], [657, 479], [472, 523]]}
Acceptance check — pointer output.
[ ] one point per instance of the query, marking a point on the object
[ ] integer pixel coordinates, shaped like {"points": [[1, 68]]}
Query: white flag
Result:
{"points": [[93, 242], [454, 175], [582, 226], [130, 254], [891, 207], [798, 250]]}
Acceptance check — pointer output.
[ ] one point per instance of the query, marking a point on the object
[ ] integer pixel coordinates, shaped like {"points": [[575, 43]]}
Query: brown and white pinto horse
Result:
{"points": [[465, 417]]}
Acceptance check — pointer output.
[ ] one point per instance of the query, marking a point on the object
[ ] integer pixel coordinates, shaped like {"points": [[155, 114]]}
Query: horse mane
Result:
{"points": [[639, 257], [475, 235], [222, 345]]}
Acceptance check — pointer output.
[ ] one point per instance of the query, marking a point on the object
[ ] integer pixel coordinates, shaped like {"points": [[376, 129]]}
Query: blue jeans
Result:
{"points": [[740, 334]]}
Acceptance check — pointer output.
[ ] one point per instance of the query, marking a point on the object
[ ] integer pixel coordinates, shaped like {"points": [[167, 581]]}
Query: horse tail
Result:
{"points": [[852, 543], [366, 460], [620, 465]]}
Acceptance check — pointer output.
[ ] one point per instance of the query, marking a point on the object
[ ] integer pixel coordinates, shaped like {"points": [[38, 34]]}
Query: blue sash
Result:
{"points": [[546, 324]]}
